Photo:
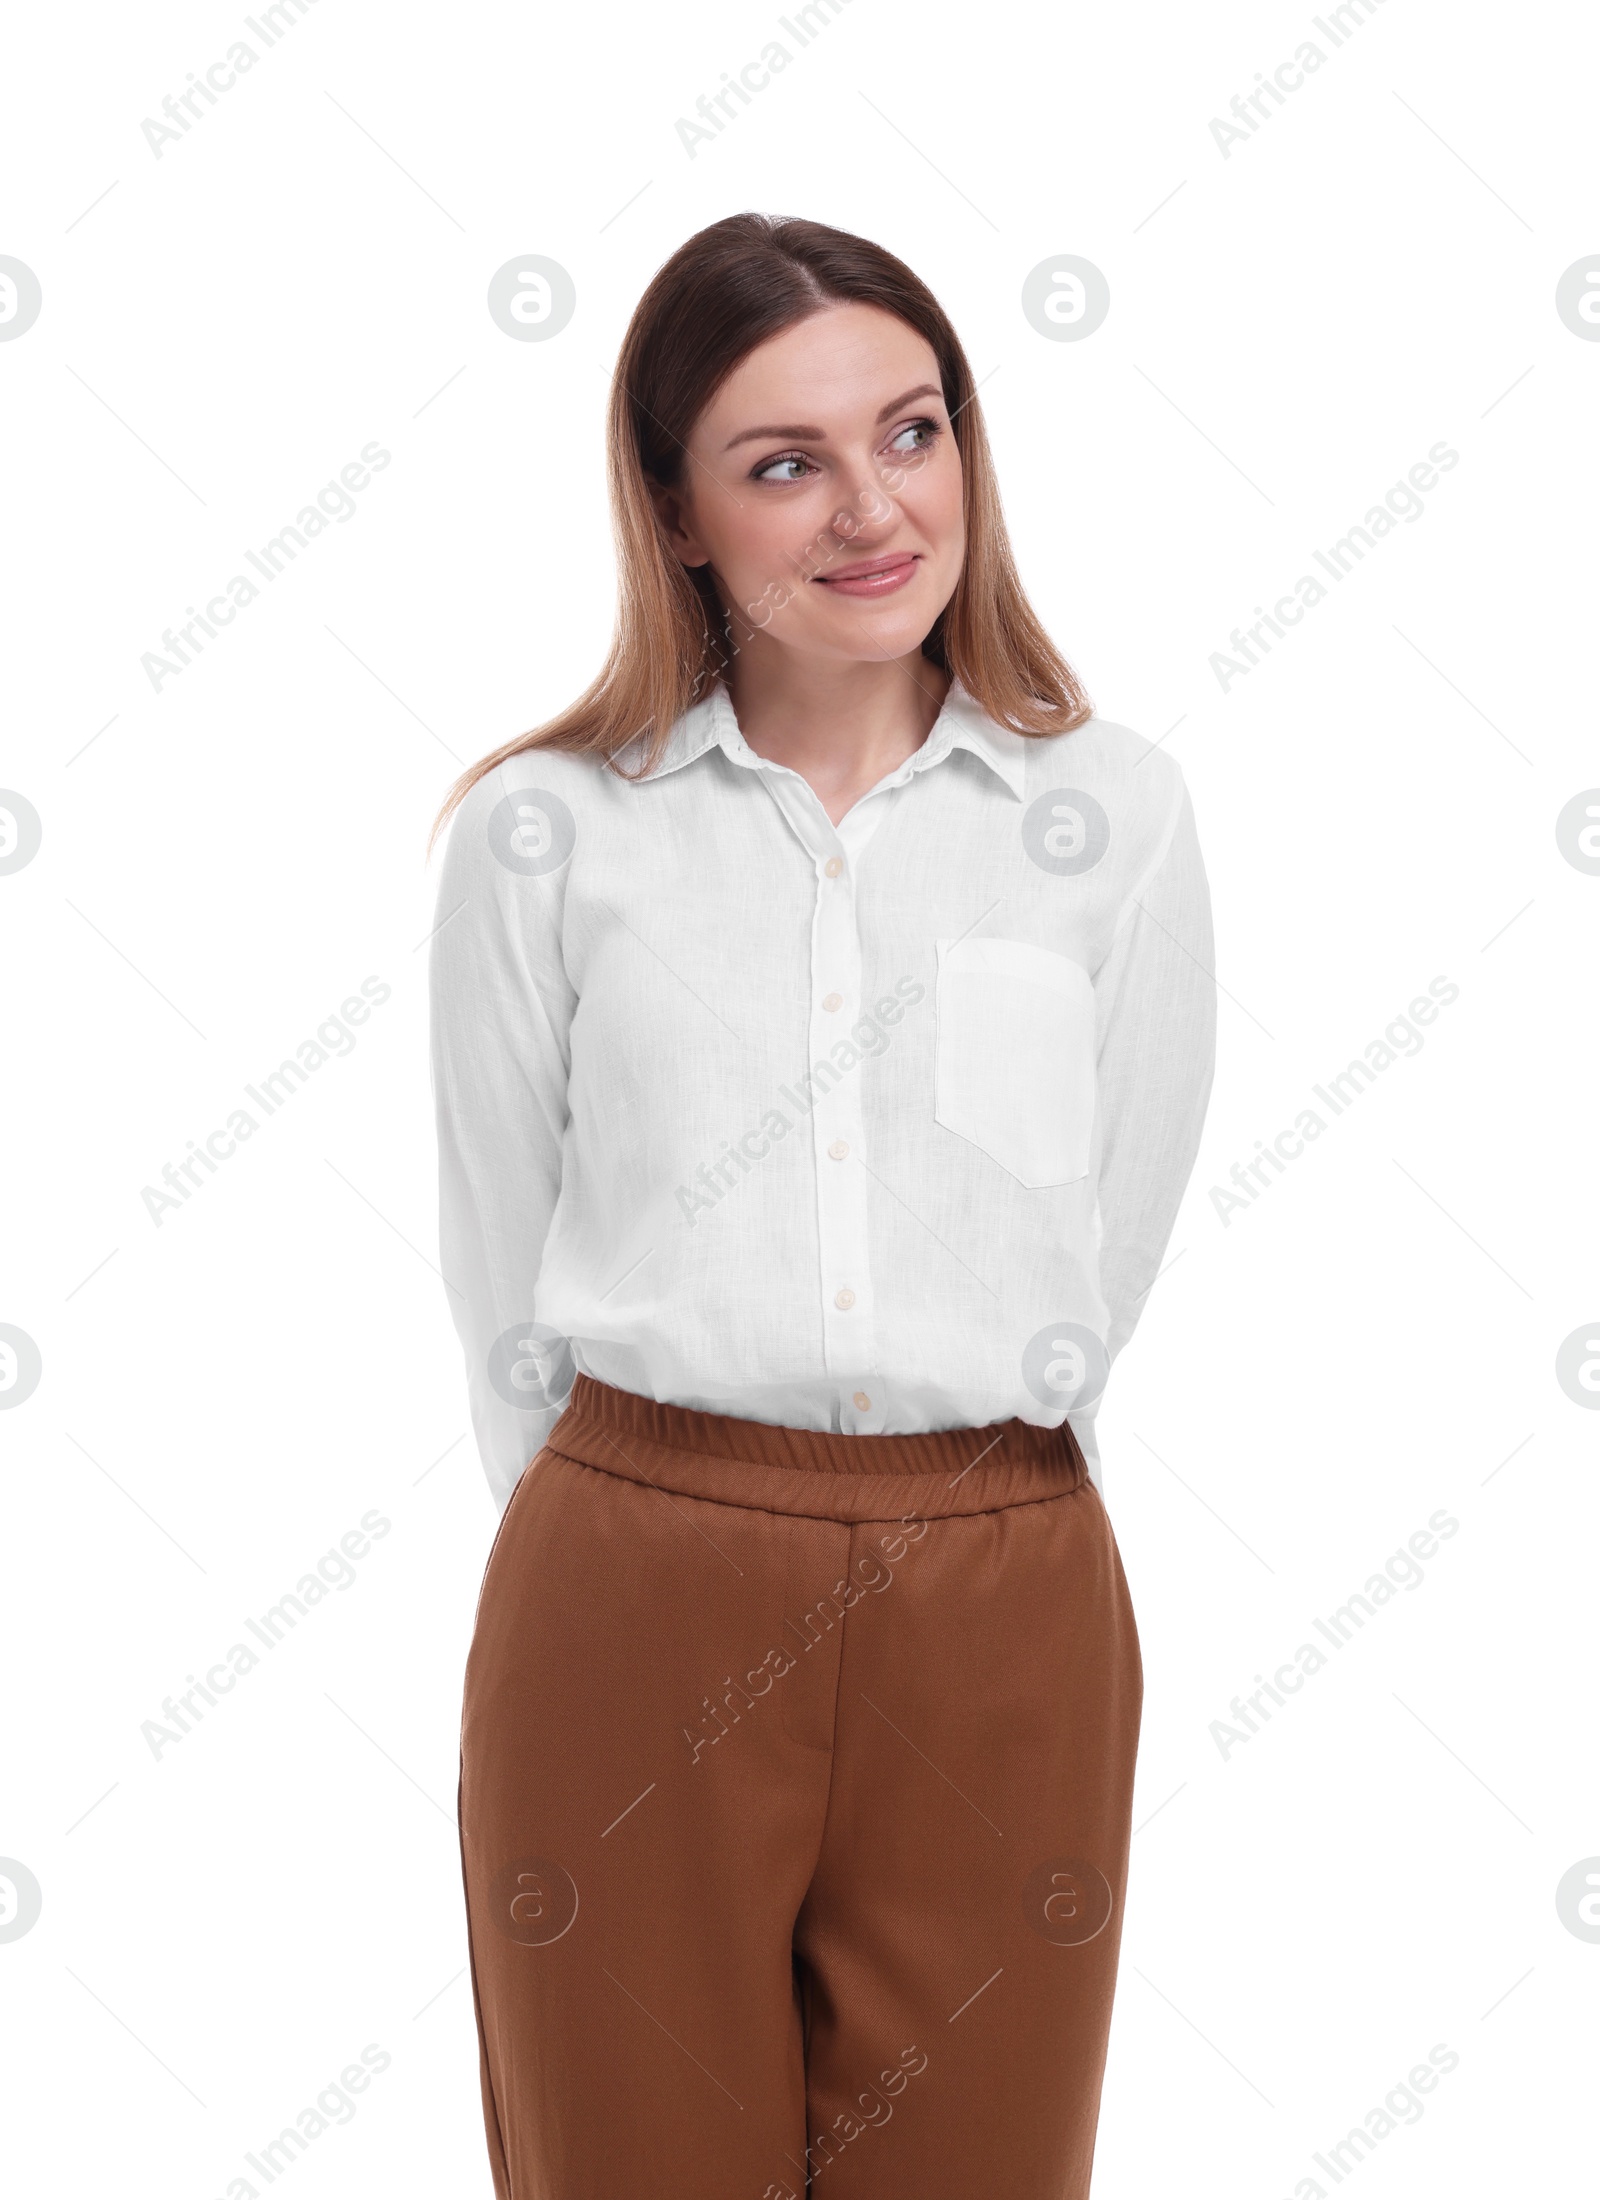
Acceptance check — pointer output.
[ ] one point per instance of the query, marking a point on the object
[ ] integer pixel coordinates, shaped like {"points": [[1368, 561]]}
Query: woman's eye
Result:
{"points": [[924, 430], [774, 469]]}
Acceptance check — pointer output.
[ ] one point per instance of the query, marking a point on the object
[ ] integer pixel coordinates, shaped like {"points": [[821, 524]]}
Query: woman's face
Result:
{"points": [[822, 485]]}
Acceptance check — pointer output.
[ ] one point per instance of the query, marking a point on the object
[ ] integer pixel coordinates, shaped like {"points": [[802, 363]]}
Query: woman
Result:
{"points": [[822, 1032]]}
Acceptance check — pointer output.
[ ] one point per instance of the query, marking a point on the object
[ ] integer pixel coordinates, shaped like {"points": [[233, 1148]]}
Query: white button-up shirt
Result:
{"points": [[877, 1126]]}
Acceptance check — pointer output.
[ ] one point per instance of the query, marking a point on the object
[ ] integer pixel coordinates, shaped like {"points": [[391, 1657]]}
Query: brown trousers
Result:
{"points": [[796, 1778]]}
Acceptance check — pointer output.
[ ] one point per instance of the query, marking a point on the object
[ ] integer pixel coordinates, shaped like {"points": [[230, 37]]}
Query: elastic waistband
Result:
{"points": [[814, 1472]]}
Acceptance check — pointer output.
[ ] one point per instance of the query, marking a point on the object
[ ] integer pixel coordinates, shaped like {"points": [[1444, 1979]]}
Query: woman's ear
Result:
{"points": [[673, 521]]}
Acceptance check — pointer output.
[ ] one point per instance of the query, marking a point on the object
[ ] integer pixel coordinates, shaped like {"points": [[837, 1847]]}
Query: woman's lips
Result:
{"points": [[879, 578]]}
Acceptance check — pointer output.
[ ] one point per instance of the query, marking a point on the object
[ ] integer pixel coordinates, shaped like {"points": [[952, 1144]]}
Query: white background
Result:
{"points": [[1374, 1338]]}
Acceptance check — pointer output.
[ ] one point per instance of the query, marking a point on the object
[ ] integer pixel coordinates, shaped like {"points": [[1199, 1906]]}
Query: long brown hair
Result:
{"points": [[721, 294]]}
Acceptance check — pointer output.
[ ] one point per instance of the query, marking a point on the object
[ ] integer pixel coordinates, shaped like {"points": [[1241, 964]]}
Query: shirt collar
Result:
{"points": [[961, 723]]}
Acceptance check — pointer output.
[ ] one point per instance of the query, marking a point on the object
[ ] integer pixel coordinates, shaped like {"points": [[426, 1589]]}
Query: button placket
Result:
{"points": [[849, 1331], [836, 1127]]}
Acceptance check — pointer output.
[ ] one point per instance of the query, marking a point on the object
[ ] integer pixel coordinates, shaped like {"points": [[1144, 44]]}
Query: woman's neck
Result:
{"points": [[841, 727]]}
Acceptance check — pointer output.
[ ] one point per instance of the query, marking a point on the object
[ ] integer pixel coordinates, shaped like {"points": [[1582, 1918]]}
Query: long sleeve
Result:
{"points": [[500, 1020], [1155, 1019]]}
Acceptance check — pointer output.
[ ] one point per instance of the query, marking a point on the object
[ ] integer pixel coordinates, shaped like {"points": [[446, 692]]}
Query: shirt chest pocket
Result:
{"points": [[1014, 1056]]}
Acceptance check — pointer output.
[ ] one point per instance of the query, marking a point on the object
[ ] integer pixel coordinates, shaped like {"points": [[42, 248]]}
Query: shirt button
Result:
{"points": [[833, 1001], [839, 1149], [863, 1402], [834, 865], [844, 1299]]}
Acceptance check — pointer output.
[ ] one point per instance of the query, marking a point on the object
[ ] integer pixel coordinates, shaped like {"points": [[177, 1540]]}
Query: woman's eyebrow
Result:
{"points": [[802, 433], [923, 389]]}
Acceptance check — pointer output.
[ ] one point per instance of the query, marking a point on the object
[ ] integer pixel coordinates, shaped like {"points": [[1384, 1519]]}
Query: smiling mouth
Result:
{"points": [[874, 577]]}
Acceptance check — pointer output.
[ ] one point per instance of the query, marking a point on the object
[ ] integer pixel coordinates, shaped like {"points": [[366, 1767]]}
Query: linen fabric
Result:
{"points": [[873, 1129]]}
